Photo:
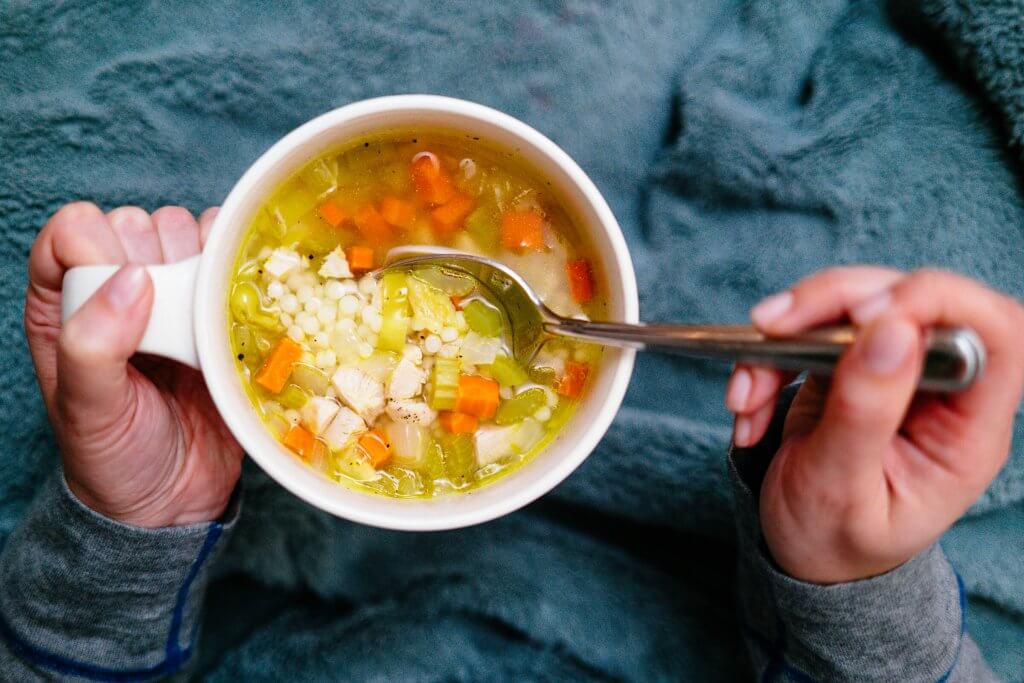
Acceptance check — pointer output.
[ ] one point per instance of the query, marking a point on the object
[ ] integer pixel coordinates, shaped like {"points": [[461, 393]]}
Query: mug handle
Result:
{"points": [[171, 331]]}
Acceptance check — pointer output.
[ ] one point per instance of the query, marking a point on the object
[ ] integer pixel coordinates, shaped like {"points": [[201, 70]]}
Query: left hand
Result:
{"points": [[869, 472]]}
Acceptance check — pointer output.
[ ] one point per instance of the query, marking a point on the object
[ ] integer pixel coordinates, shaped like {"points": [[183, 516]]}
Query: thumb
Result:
{"points": [[869, 395], [95, 345]]}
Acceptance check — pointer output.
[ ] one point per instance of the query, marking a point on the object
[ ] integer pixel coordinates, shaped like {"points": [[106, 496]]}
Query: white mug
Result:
{"points": [[189, 321]]}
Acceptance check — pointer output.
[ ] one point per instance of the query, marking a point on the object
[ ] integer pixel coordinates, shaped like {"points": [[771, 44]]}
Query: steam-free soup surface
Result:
{"points": [[404, 384]]}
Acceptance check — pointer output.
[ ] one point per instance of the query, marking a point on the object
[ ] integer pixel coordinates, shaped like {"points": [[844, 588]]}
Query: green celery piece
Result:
{"points": [[432, 308], [394, 289], [247, 306], [542, 375], [292, 397], [482, 319], [445, 383], [314, 380], [507, 371], [520, 406], [482, 224], [459, 458], [433, 463], [449, 282], [321, 176]]}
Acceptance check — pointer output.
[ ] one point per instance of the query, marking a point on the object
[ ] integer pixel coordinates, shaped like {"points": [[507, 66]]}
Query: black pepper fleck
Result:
{"points": [[414, 140], [241, 356], [366, 144]]}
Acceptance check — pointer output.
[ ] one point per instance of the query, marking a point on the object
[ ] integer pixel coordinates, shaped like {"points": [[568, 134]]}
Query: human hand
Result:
{"points": [[140, 439], [869, 473]]}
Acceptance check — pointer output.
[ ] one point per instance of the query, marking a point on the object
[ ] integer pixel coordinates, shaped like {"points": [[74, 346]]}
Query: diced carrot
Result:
{"points": [[432, 184], [457, 423], [300, 440], [376, 446], [456, 300], [449, 217], [360, 259], [332, 213], [581, 283], [522, 231], [278, 366], [477, 396], [372, 225], [398, 212], [575, 378]]}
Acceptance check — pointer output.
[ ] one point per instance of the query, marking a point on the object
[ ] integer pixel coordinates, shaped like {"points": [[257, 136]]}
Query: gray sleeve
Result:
{"points": [[83, 597], [905, 625]]}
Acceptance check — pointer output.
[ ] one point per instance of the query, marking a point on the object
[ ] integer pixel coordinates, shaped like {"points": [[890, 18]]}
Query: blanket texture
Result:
{"points": [[741, 143]]}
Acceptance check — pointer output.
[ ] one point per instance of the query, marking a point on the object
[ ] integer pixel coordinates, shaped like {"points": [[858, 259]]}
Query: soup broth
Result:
{"points": [[403, 384]]}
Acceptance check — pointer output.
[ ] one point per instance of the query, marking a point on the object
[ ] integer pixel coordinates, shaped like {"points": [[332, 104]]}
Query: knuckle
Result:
{"points": [[76, 345], [172, 212], [128, 213]]}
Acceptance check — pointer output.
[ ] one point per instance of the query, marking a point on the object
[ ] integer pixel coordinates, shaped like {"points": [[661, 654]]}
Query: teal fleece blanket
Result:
{"points": [[742, 144]]}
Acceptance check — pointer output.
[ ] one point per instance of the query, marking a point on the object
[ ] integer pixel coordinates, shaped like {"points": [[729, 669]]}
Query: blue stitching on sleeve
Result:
{"points": [[175, 657]]}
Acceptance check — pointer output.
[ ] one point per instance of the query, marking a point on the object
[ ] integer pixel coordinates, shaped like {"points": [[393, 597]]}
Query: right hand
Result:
{"points": [[869, 472], [140, 438]]}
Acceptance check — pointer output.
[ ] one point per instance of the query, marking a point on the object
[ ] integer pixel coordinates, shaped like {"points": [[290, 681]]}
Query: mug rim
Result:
{"points": [[207, 313]]}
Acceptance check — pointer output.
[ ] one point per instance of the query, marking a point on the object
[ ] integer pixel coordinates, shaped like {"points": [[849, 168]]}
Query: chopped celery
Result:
{"points": [[291, 202], [432, 309], [482, 318], [482, 224], [310, 235], [507, 371], [292, 396], [444, 383], [520, 406], [247, 307], [394, 288], [409, 482], [543, 375], [527, 435], [321, 176], [312, 379], [449, 282], [459, 458], [351, 463], [433, 463]]}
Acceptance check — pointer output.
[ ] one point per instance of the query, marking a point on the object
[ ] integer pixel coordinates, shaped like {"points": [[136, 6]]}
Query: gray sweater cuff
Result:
{"points": [[82, 595], [905, 625]]}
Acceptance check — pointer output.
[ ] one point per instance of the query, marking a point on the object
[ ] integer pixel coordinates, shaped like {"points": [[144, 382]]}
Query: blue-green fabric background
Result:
{"points": [[741, 144]]}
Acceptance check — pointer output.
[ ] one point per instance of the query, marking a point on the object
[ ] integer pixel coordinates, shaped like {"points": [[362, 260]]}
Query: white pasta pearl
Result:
{"points": [[327, 314], [365, 350], [326, 360], [312, 306], [294, 281], [334, 290], [345, 324], [505, 393], [295, 333], [376, 323], [348, 306], [413, 353], [370, 314], [289, 303], [264, 254], [432, 344], [368, 285], [287, 320], [543, 414], [371, 339], [275, 290], [320, 339], [310, 325], [449, 334], [304, 294], [364, 331]]}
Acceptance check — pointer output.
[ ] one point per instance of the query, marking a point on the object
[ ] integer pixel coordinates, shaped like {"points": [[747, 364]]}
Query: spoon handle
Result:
{"points": [[955, 357]]}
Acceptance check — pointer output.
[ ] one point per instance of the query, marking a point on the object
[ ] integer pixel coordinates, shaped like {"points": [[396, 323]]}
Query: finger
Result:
{"points": [[78, 234], [94, 348], [821, 298], [206, 223], [934, 298], [752, 387], [751, 427], [870, 392], [177, 231], [134, 227]]}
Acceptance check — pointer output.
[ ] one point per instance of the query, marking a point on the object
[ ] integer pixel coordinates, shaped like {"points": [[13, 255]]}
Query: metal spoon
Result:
{"points": [[955, 356]]}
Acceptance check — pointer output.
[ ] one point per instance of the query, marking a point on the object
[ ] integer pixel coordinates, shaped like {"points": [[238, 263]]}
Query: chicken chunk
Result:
{"points": [[343, 428], [360, 392], [408, 410], [406, 380], [335, 265], [318, 413], [282, 262]]}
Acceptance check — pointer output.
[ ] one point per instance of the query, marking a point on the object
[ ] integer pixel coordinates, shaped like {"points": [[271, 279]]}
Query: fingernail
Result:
{"points": [[125, 287], [741, 431], [888, 345], [739, 389], [772, 308], [872, 308]]}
